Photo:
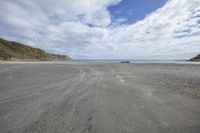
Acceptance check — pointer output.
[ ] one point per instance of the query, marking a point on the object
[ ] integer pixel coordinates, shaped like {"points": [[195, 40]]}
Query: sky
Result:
{"points": [[131, 11], [105, 29]]}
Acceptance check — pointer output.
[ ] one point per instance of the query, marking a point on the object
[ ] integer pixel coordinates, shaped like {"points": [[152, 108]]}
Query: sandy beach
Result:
{"points": [[89, 97]]}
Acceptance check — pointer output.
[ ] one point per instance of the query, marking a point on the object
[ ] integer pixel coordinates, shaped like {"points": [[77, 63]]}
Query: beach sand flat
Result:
{"points": [[89, 97]]}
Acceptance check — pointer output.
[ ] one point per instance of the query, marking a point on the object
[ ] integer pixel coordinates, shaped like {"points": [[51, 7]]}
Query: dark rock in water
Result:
{"points": [[125, 62]]}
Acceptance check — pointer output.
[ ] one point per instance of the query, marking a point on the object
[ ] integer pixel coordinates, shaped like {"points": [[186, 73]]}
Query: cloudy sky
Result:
{"points": [[105, 29]]}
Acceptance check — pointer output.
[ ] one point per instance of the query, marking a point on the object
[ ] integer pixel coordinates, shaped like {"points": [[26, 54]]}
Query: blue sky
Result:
{"points": [[133, 10], [105, 29]]}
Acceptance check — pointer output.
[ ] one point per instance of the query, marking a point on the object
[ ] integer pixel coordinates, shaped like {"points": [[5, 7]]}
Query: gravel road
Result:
{"points": [[88, 97]]}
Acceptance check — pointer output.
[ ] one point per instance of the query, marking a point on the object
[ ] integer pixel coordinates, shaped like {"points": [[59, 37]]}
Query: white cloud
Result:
{"points": [[83, 29]]}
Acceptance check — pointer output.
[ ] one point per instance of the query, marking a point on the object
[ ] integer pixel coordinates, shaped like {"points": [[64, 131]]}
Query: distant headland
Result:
{"points": [[10, 51]]}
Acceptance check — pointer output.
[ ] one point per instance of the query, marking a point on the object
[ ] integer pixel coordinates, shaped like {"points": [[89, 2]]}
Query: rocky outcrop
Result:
{"points": [[197, 58]]}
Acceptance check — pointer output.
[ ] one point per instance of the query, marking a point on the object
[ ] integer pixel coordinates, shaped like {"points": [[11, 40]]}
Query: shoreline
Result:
{"points": [[101, 61]]}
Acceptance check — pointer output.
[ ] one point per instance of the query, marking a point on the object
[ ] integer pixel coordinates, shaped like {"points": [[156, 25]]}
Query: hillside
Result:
{"points": [[16, 51], [197, 58]]}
